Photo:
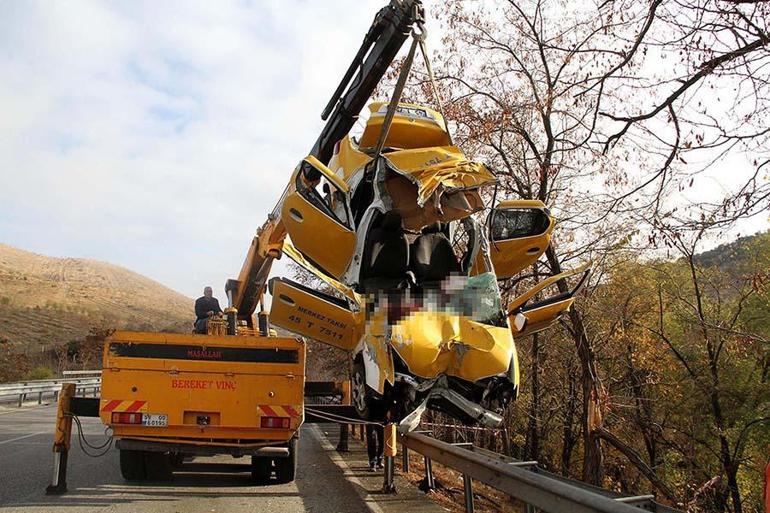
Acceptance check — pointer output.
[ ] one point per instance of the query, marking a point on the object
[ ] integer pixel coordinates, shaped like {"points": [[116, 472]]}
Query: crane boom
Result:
{"points": [[387, 34], [389, 30]]}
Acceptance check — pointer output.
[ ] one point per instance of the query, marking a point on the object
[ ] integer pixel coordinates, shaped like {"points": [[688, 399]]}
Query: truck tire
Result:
{"points": [[132, 465], [286, 468], [158, 466], [261, 468]]}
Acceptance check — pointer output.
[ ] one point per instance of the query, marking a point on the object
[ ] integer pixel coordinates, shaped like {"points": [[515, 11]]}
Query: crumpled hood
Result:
{"points": [[438, 167], [433, 343]]}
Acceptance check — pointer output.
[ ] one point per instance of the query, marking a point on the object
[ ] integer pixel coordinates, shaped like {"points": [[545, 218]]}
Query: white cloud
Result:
{"points": [[157, 135]]}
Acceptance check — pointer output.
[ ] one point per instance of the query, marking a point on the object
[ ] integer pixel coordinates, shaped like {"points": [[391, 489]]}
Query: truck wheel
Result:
{"points": [[261, 468], [158, 466], [132, 465], [286, 468]]}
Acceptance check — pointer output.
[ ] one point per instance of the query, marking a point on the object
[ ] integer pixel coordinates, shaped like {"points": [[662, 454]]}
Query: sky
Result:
{"points": [[157, 135]]}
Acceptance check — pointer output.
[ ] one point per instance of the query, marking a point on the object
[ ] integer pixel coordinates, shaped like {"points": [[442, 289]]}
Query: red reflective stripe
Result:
{"points": [[270, 412], [135, 406], [292, 411], [112, 405]]}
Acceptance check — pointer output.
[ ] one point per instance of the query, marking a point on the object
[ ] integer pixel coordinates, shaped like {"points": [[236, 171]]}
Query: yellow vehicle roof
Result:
{"points": [[413, 126]]}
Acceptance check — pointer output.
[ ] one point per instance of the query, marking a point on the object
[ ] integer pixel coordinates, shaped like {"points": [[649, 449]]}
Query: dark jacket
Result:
{"points": [[204, 304]]}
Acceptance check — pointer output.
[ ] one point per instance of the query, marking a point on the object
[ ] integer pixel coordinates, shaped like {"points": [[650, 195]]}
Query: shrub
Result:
{"points": [[39, 372]]}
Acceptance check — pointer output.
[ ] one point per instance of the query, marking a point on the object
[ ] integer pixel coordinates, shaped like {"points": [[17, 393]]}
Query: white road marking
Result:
{"points": [[22, 437], [24, 409]]}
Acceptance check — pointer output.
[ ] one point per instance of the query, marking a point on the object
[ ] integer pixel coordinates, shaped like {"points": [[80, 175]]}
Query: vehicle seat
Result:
{"points": [[386, 255], [432, 256]]}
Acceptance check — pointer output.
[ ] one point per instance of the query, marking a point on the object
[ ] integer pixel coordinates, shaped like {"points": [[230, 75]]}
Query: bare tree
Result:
{"points": [[511, 80], [695, 81], [608, 112], [713, 304]]}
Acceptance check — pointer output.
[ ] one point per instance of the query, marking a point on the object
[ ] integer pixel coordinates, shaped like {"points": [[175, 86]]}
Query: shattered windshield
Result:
{"points": [[476, 297]]}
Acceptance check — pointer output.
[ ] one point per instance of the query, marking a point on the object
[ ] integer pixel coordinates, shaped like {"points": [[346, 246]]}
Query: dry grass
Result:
{"points": [[449, 492]]}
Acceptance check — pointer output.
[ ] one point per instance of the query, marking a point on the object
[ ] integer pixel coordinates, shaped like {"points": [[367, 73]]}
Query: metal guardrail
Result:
{"points": [[539, 489], [85, 382], [523, 480], [82, 373]]}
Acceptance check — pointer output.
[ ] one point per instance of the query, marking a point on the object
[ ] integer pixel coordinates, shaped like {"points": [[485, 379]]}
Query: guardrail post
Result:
{"points": [[21, 400], [430, 484], [404, 459], [389, 451], [40, 398], [342, 445], [61, 441], [468, 488]]}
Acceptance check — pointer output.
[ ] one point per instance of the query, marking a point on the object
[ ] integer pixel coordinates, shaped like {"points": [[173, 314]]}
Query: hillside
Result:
{"points": [[737, 254], [47, 301]]}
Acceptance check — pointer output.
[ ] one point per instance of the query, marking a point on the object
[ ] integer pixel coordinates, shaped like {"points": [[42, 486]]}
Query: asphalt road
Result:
{"points": [[95, 484]]}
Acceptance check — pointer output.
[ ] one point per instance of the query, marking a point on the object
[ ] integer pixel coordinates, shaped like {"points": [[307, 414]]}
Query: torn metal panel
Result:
{"points": [[290, 251], [437, 168], [377, 357]]}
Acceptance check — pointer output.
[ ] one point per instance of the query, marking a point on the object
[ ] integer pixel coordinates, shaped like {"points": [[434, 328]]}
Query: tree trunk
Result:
{"points": [[643, 415], [593, 457], [735, 493], [532, 449], [568, 436], [639, 463]]}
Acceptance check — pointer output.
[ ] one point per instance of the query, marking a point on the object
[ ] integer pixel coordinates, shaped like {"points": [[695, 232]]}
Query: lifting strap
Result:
{"points": [[399, 89], [432, 77], [417, 38]]}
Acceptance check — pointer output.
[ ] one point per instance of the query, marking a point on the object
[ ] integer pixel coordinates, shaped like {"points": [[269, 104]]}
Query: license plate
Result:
{"points": [[154, 419]]}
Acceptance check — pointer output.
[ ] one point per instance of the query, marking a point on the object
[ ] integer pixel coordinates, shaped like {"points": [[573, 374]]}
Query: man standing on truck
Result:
{"points": [[205, 306]]}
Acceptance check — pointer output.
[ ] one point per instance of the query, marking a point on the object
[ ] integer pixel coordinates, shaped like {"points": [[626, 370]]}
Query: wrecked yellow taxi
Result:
{"points": [[394, 225]]}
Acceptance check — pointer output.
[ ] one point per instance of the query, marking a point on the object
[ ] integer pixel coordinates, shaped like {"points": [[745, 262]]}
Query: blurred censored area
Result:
{"points": [[473, 297]]}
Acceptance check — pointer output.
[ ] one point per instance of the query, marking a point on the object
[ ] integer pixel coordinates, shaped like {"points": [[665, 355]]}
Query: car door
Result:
{"points": [[314, 314], [519, 232], [528, 317], [316, 215]]}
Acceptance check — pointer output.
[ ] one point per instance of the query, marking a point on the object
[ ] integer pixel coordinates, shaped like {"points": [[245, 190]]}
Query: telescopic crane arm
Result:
{"points": [[391, 27], [389, 30]]}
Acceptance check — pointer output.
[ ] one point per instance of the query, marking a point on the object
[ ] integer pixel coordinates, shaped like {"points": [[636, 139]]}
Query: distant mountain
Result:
{"points": [[46, 301]]}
